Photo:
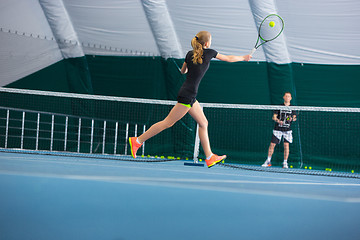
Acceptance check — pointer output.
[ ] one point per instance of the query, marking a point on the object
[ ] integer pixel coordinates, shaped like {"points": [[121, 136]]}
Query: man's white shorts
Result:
{"points": [[277, 135]]}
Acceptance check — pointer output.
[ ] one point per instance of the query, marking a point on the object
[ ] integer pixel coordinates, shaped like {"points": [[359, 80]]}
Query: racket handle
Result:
{"points": [[252, 51]]}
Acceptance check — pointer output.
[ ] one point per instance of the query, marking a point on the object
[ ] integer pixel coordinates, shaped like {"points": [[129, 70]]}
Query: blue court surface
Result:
{"points": [[59, 197]]}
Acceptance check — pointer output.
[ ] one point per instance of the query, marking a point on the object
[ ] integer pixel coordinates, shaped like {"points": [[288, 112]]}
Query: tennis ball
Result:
{"points": [[291, 166], [310, 168], [305, 167], [352, 171], [272, 24]]}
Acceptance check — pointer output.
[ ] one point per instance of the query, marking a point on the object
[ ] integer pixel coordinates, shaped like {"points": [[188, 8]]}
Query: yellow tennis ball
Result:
{"points": [[272, 24]]}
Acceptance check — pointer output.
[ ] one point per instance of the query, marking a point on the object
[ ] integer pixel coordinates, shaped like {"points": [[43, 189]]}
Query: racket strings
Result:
{"points": [[271, 28]]}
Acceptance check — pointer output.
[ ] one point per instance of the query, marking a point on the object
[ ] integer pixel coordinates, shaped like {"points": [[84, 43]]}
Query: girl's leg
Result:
{"points": [[176, 113], [197, 113]]}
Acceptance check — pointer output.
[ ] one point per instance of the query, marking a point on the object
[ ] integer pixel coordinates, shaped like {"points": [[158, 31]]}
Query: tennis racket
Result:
{"points": [[270, 28]]}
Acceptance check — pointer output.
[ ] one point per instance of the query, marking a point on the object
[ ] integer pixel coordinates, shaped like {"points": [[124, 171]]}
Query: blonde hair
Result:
{"points": [[198, 43]]}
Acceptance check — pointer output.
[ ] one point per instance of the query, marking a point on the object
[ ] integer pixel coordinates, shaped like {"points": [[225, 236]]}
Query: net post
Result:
{"points": [[52, 132], [22, 130], [66, 131], [116, 136], [196, 145], [104, 133], [126, 136], [92, 135], [79, 132], [37, 132], [143, 146], [7, 127], [197, 142]]}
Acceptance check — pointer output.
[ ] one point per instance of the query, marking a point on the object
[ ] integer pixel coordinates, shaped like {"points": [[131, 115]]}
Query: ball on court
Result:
{"points": [[272, 24], [310, 168], [352, 171], [291, 166]]}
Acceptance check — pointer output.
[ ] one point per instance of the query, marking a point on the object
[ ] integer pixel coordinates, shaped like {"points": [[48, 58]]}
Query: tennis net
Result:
{"points": [[326, 139]]}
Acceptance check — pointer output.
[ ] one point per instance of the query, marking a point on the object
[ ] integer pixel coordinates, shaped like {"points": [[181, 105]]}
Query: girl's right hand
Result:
{"points": [[247, 57]]}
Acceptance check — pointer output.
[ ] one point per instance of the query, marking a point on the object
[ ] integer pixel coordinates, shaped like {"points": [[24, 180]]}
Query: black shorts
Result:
{"points": [[186, 100]]}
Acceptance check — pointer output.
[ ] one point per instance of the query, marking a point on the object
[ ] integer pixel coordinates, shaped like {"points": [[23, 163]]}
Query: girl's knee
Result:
{"points": [[203, 123]]}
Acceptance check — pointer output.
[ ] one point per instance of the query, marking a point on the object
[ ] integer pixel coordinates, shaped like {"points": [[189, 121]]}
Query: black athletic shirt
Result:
{"points": [[282, 115], [195, 73]]}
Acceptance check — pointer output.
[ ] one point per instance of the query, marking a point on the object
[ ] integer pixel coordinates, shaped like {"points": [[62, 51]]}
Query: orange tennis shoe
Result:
{"points": [[215, 159], [134, 146]]}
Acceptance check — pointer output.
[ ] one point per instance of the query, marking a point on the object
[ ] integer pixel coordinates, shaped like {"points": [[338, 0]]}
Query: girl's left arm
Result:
{"points": [[184, 68]]}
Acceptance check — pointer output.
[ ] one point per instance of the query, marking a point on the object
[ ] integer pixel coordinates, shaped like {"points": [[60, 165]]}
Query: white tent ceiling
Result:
{"points": [[319, 32]]}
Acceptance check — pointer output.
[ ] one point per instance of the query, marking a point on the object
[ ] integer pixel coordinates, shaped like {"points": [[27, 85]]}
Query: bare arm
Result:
{"points": [[184, 68], [276, 119], [232, 58]]}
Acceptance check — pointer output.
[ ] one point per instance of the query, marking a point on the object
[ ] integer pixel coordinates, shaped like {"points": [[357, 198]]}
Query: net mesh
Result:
{"points": [[88, 124], [325, 139]]}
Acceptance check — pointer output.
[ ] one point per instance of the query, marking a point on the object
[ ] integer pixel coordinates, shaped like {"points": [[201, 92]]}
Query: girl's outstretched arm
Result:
{"points": [[231, 58]]}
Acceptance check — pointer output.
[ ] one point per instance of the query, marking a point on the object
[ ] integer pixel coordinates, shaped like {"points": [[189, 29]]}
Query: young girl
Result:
{"points": [[196, 64]]}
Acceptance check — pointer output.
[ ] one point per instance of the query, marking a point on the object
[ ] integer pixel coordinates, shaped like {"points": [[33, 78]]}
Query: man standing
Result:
{"points": [[282, 129]]}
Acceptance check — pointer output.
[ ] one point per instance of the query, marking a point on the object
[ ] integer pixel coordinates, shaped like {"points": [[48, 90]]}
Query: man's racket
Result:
{"points": [[270, 28]]}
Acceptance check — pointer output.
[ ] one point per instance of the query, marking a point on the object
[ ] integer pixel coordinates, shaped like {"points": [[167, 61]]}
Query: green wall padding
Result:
{"points": [[327, 85], [280, 78], [78, 75], [139, 77]]}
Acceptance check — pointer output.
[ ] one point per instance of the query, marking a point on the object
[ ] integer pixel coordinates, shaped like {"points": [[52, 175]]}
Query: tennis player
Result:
{"points": [[196, 64], [282, 129]]}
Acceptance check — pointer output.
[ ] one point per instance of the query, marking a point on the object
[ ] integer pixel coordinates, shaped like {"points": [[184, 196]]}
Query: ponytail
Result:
{"points": [[198, 46]]}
